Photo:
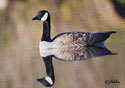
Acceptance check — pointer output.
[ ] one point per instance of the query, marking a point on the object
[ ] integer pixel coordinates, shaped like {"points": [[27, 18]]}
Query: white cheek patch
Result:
{"points": [[45, 16], [47, 78]]}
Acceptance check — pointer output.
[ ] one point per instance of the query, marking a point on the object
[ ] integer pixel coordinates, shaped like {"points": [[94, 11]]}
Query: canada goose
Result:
{"points": [[49, 80], [68, 39]]}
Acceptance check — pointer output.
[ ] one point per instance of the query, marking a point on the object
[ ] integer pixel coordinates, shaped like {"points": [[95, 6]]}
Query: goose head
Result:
{"points": [[42, 15], [46, 81]]}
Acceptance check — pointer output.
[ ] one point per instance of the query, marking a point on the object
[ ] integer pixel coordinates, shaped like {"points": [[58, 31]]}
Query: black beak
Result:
{"points": [[35, 18]]}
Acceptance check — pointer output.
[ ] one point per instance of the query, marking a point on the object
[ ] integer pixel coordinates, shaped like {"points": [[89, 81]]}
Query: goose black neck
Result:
{"points": [[46, 30], [49, 67]]}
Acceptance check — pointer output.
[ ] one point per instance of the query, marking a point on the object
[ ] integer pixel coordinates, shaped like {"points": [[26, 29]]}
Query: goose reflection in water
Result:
{"points": [[68, 54]]}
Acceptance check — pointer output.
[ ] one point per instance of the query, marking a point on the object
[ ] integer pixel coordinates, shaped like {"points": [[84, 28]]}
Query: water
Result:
{"points": [[21, 65], [20, 61]]}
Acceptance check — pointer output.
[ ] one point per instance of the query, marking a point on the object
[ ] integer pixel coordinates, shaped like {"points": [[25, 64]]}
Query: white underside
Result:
{"points": [[45, 45], [47, 48]]}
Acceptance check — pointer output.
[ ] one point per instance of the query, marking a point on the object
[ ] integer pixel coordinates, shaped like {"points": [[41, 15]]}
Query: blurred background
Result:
{"points": [[20, 62]]}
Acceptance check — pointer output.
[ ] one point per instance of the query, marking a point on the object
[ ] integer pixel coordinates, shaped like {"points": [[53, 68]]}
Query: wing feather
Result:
{"points": [[81, 38]]}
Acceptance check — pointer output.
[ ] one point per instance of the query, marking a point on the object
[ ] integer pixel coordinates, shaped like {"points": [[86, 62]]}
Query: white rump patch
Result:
{"points": [[48, 79], [45, 16]]}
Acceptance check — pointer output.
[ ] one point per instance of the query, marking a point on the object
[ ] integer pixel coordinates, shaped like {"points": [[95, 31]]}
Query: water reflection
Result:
{"points": [[49, 80], [68, 54]]}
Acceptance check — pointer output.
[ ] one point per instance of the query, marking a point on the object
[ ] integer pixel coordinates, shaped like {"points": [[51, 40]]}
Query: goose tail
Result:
{"points": [[110, 32], [99, 38]]}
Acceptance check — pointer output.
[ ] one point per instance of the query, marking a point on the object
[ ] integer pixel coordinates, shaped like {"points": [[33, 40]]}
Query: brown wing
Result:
{"points": [[71, 39], [81, 38]]}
